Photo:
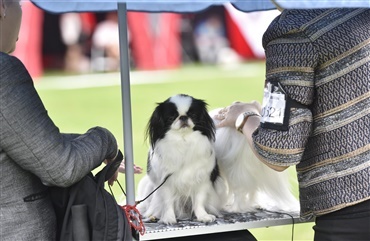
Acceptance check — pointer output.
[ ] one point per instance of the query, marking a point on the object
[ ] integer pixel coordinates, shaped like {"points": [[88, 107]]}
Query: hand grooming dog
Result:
{"points": [[181, 135], [251, 184]]}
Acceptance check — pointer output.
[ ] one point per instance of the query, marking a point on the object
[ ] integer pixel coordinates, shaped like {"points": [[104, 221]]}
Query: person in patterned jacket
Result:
{"points": [[316, 115]]}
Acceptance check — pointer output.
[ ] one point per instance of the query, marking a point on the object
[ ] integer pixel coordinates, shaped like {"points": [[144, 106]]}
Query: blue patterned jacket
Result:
{"points": [[322, 60]]}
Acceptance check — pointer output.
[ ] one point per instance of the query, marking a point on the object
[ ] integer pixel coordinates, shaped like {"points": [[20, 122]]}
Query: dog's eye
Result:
{"points": [[192, 115], [171, 119], [170, 114]]}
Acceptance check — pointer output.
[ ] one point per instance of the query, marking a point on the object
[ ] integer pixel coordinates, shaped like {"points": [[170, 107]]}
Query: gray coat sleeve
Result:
{"points": [[30, 138]]}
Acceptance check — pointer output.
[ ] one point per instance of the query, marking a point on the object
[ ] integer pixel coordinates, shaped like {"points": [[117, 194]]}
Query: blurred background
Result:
{"points": [[88, 42], [215, 55]]}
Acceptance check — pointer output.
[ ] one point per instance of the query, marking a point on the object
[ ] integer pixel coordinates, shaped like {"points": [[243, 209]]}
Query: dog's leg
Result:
{"points": [[153, 207], [144, 188], [167, 205], [200, 198]]}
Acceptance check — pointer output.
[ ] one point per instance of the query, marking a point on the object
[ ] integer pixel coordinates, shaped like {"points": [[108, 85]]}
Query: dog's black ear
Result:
{"points": [[156, 126], [204, 123]]}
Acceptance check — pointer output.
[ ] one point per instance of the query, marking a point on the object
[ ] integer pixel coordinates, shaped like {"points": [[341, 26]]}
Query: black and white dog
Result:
{"points": [[182, 158], [184, 145]]}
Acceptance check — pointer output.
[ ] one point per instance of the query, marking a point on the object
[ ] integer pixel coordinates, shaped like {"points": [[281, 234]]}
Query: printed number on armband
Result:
{"points": [[273, 108]]}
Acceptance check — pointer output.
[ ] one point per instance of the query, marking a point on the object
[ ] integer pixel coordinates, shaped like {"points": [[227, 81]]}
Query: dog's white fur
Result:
{"points": [[189, 157], [251, 184]]}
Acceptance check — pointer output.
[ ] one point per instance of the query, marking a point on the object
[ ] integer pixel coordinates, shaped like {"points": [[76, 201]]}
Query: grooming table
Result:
{"points": [[229, 222]]}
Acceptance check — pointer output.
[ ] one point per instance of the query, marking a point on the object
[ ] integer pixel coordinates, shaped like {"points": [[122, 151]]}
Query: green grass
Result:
{"points": [[76, 110]]}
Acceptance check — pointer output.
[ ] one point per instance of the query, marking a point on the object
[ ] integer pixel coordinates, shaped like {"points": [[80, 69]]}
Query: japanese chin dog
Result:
{"points": [[251, 184], [182, 169]]}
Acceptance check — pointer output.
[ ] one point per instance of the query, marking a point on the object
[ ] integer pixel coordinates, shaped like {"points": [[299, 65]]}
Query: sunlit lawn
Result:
{"points": [[75, 108]]}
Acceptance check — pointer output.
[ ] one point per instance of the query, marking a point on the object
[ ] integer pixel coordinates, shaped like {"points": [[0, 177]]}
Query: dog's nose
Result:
{"points": [[183, 118]]}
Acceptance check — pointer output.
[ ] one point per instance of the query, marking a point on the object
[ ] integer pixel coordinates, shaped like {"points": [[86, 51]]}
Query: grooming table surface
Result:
{"points": [[229, 222]]}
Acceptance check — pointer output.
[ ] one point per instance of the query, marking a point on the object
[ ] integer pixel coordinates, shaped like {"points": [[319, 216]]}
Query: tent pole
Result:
{"points": [[126, 107], [126, 103]]}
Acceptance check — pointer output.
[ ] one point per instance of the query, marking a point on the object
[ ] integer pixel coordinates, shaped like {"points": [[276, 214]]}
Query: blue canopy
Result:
{"points": [[184, 6]]}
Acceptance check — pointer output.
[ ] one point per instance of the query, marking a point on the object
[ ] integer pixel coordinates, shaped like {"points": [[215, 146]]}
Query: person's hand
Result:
{"points": [[122, 168], [115, 175], [228, 115], [113, 178]]}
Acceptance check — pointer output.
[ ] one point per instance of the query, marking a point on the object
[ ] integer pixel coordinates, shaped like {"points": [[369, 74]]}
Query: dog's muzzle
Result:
{"points": [[184, 121]]}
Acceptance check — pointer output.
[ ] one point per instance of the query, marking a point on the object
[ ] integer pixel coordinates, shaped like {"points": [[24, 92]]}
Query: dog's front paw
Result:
{"points": [[168, 221], [207, 218]]}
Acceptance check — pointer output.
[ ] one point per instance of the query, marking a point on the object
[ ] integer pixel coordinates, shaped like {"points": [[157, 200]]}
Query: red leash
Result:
{"points": [[133, 215], [134, 218]]}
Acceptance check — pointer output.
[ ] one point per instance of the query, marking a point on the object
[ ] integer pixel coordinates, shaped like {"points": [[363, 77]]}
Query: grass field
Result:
{"points": [[76, 103]]}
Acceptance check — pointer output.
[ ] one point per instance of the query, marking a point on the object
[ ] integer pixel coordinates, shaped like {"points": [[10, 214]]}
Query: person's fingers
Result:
{"points": [[221, 124], [222, 113], [113, 178], [137, 169], [220, 116], [122, 167], [257, 105]]}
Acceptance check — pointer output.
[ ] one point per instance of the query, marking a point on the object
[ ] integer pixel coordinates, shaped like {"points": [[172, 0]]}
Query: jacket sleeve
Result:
{"points": [[290, 62], [30, 138]]}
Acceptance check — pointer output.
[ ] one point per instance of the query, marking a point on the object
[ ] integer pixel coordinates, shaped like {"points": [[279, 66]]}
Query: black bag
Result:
{"points": [[86, 211]]}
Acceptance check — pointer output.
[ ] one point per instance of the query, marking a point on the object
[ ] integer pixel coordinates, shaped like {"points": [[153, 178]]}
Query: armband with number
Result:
{"points": [[276, 106]]}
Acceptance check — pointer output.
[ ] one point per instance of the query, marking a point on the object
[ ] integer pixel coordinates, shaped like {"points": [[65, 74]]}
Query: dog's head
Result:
{"points": [[180, 113]]}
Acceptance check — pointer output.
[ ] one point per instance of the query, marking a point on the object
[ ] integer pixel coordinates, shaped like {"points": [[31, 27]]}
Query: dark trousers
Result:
{"points": [[348, 224]]}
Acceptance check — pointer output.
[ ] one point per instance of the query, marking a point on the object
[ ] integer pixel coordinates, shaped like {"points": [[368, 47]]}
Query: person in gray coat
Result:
{"points": [[33, 152]]}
